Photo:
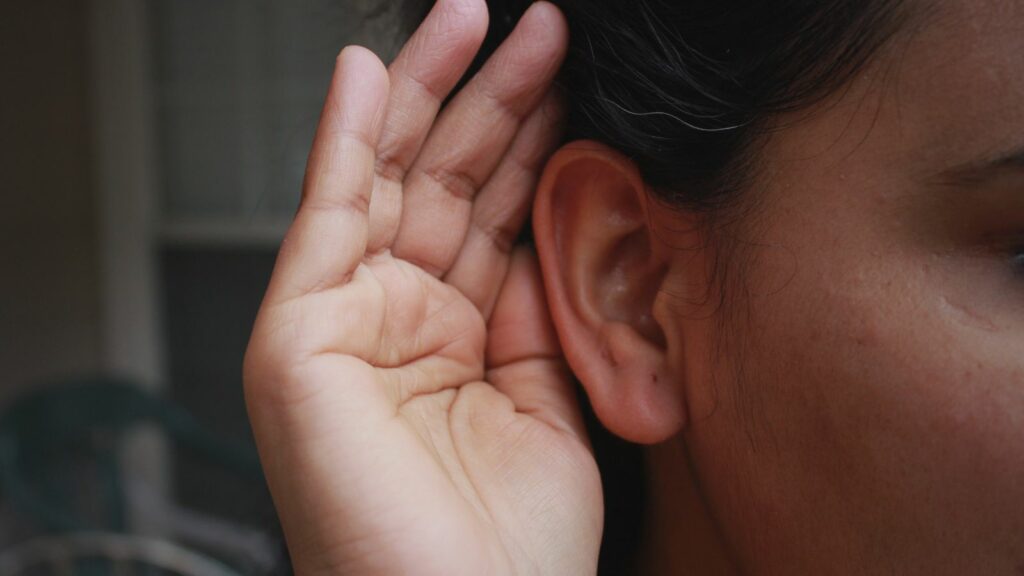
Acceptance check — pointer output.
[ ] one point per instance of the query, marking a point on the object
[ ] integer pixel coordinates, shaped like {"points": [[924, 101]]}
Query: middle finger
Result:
{"points": [[425, 71], [471, 137]]}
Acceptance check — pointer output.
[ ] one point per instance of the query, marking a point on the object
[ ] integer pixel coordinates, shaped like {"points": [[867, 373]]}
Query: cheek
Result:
{"points": [[878, 406]]}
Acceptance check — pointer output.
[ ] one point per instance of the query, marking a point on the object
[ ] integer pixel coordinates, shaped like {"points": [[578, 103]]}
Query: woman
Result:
{"points": [[786, 259]]}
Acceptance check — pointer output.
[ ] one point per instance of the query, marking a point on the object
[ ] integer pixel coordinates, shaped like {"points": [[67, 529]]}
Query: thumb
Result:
{"points": [[524, 359]]}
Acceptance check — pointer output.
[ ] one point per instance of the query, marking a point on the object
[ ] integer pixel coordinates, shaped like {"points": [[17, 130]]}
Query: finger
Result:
{"points": [[502, 206], [471, 137], [425, 71], [524, 359], [327, 239]]}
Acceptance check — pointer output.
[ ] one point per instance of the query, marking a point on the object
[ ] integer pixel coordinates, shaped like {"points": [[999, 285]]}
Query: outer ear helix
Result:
{"points": [[590, 226]]}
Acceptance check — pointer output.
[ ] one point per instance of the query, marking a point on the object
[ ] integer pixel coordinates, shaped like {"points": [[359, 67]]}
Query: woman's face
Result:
{"points": [[868, 407]]}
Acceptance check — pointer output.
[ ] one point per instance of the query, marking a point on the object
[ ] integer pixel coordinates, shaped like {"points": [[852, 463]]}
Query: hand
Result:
{"points": [[410, 402]]}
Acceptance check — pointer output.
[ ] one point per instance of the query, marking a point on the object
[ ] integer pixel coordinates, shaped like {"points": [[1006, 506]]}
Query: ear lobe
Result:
{"points": [[603, 268]]}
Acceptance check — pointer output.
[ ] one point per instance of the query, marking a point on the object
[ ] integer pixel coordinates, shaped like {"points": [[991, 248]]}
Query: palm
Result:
{"points": [[456, 453], [403, 379]]}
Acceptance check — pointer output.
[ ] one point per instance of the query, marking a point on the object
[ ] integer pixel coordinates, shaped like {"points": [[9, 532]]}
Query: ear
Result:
{"points": [[603, 267]]}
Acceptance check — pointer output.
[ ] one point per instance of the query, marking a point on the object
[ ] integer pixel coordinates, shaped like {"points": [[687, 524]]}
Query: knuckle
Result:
{"points": [[431, 263], [389, 165], [459, 184], [358, 204], [501, 236]]}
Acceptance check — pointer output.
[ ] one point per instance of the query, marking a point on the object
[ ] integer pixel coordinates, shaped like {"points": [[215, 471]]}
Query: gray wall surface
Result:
{"points": [[49, 272]]}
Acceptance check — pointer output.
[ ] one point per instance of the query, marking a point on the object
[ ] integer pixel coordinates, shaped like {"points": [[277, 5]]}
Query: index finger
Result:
{"points": [[327, 239]]}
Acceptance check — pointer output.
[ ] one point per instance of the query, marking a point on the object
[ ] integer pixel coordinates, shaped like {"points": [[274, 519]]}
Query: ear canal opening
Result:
{"points": [[634, 282]]}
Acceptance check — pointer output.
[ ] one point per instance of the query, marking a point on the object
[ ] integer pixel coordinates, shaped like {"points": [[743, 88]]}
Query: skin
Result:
{"points": [[412, 409], [882, 346], [855, 405]]}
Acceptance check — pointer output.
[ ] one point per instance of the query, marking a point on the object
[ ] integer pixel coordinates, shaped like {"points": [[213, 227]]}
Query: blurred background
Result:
{"points": [[152, 153]]}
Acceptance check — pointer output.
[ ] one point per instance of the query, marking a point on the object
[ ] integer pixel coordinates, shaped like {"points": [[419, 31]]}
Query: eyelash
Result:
{"points": [[1009, 249], [1009, 246]]}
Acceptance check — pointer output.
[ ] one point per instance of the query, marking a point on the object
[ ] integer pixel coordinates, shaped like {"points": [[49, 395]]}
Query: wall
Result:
{"points": [[49, 273]]}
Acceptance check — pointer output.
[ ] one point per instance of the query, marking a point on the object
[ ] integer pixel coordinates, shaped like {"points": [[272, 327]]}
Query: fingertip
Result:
{"points": [[535, 49], [362, 63], [444, 45], [550, 14], [362, 84], [551, 26], [465, 20]]}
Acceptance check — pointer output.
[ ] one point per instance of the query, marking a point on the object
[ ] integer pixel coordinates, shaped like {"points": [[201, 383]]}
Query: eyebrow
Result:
{"points": [[979, 172]]}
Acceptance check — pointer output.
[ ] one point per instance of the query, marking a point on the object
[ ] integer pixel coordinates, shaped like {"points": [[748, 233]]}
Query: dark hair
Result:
{"points": [[687, 89]]}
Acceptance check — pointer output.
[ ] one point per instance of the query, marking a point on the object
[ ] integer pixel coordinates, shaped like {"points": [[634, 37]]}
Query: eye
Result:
{"points": [[1017, 259], [1008, 247]]}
